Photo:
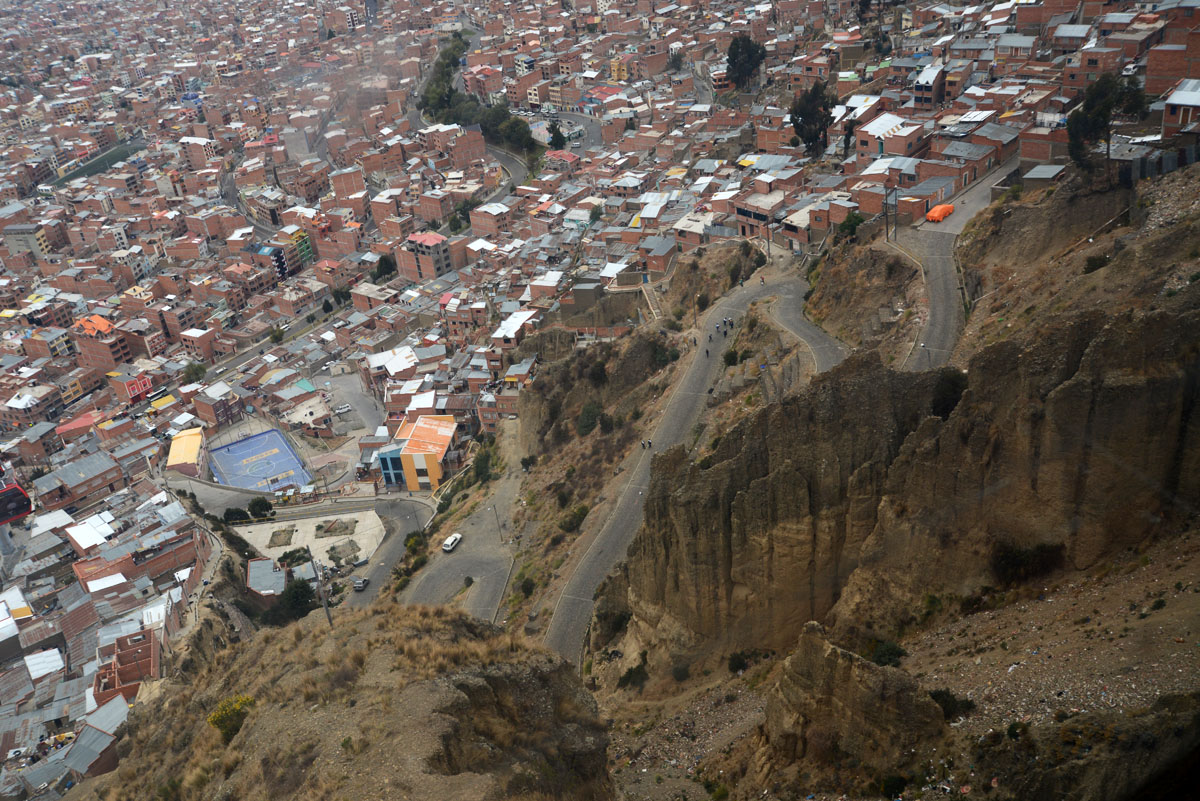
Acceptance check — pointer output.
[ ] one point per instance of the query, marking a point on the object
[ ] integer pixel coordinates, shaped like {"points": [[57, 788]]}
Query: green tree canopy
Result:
{"points": [[557, 140], [386, 267], [812, 113], [259, 507], [744, 57], [1091, 122], [194, 371], [296, 601]]}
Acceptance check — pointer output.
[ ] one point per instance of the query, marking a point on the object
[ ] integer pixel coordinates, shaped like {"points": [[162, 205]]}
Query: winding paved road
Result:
{"points": [[932, 246], [409, 515], [573, 610]]}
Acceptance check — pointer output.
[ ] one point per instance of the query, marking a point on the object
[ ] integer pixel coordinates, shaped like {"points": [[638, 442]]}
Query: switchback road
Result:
{"points": [[573, 609]]}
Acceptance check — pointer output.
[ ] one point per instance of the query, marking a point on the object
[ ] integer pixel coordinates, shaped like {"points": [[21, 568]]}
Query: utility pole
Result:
{"points": [[320, 592], [885, 213], [499, 533]]}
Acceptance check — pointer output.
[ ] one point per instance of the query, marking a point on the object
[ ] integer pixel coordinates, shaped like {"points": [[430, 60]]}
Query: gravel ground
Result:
{"points": [[1171, 199], [1113, 641], [657, 759]]}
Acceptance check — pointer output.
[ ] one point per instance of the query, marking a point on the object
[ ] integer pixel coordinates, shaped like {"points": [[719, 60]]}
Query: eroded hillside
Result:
{"points": [[852, 501], [394, 702]]}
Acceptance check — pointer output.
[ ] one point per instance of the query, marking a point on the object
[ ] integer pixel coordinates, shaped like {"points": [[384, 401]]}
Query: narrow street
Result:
{"points": [[932, 246], [487, 550]]}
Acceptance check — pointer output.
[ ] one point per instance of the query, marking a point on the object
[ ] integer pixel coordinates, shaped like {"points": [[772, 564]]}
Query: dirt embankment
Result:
{"points": [[868, 296], [1073, 247], [395, 702]]}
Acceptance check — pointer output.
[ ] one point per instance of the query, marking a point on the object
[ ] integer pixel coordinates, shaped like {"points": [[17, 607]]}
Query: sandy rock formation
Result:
{"points": [[853, 500], [831, 704]]}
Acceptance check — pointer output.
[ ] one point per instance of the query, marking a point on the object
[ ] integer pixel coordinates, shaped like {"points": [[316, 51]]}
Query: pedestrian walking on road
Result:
{"points": [[762, 280], [643, 444], [706, 353], [649, 444], [710, 337]]}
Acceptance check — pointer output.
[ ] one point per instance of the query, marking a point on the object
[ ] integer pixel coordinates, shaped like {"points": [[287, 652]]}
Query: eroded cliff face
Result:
{"points": [[831, 704], [748, 550], [851, 501]]}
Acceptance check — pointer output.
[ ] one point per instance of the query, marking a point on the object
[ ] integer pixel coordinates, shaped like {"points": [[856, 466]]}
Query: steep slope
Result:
{"points": [[745, 552], [831, 702], [395, 702], [852, 501]]}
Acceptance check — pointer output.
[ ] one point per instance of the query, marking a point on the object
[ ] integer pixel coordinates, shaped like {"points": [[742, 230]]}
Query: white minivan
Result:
{"points": [[451, 542]]}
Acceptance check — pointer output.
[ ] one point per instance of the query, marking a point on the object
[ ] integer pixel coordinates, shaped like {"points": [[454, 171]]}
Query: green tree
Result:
{"points": [[455, 224], [596, 213], [849, 226], [385, 267], [259, 507], [276, 334], [589, 416], [1091, 122], [675, 60], [811, 114], [234, 515], [557, 140], [296, 601], [515, 133], [327, 306], [744, 57], [193, 372], [483, 465]]}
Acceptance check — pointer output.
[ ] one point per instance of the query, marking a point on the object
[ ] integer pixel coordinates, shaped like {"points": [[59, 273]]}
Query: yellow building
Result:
{"points": [[187, 453], [415, 458], [618, 69]]}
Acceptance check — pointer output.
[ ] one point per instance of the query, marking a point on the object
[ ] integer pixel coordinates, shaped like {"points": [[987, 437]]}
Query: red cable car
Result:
{"points": [[14, 503]]}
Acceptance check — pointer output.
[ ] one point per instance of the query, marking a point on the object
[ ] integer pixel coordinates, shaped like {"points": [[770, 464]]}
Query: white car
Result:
{"points": [[345, 407], [451, 542]]}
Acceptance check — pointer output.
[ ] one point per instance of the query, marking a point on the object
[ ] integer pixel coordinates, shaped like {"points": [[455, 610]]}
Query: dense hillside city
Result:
{"points": [[599, 399]]}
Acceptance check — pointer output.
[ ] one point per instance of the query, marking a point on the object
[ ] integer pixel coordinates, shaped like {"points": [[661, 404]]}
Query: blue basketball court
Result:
{"points": [[263, 461]]}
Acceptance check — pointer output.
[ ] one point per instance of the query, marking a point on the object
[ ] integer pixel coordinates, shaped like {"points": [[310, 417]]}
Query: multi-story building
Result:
{"points": [[80, 483], [424, 255], [49, 342], [27, 238], [218, 405], [100, 344], [31, 404]]}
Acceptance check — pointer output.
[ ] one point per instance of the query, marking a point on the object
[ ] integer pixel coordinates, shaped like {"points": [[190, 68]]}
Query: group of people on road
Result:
{"points": [[647, 444], [723, 328]]}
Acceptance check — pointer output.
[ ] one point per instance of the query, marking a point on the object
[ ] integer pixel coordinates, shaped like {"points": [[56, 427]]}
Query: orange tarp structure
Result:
{"points": [[940, 212]]}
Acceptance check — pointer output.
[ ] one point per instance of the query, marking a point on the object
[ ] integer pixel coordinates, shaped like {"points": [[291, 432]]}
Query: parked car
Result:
{"points": [[345, 407], [451, 542], [360, 583]]}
